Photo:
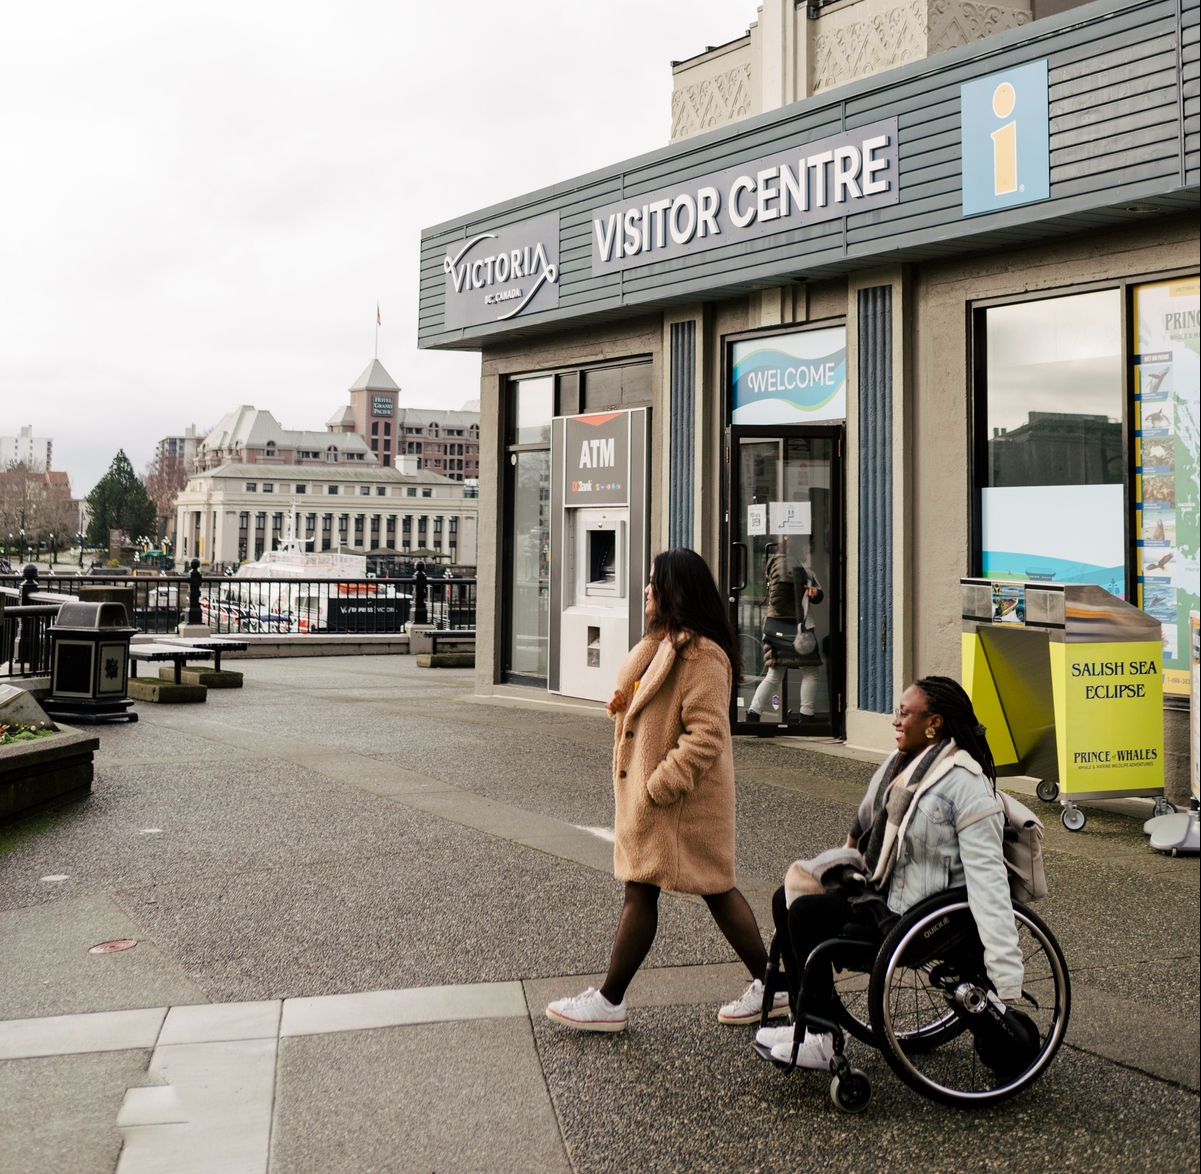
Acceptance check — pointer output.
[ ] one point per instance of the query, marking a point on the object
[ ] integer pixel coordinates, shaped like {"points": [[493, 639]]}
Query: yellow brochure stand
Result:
{"points": [[1068, 680]]}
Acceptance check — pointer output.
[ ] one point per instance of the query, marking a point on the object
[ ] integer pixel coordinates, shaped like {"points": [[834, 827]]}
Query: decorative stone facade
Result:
{"points": [[868, 37], [847, 41], [713, 101], [713, 90]]}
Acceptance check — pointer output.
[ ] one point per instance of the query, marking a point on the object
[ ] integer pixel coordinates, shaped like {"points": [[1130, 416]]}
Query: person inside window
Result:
{"points": [[792, 589]]}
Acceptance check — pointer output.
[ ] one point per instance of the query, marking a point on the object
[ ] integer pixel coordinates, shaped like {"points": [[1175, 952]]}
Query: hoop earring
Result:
{"points": [[930, 732]]}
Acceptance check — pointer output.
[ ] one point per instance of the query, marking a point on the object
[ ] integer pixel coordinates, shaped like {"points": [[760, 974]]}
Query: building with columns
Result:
{"points": [[234, 512], [894, 249], [354, 487]]}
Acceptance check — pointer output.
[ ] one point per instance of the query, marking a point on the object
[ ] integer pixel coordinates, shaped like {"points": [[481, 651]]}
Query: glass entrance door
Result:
{"points": [[786, 577]]}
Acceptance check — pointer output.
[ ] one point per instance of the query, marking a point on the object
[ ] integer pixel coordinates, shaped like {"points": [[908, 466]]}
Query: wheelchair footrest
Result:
{"points": [[764, 1053]]}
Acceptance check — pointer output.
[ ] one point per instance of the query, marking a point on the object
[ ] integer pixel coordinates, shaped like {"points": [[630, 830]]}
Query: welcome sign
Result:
{"points": [[796, 378]]}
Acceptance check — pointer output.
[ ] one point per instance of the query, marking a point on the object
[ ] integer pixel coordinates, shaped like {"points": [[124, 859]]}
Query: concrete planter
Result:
{"points": [[47, 771]]}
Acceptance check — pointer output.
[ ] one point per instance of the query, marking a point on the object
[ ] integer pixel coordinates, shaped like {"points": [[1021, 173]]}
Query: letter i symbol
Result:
{"points": [[1005, 142]]}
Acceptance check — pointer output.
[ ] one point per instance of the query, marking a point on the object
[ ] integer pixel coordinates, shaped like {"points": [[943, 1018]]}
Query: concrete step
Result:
{"points": [[162, 692], [446, 660], [210, 678]]}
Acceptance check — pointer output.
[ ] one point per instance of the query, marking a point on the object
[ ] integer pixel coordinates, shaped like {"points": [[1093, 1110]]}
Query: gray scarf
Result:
{"points": [[890, 805]]}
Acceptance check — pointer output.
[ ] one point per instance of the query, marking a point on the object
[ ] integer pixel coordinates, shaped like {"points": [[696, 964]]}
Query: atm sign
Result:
{"points": [[597, 460]]}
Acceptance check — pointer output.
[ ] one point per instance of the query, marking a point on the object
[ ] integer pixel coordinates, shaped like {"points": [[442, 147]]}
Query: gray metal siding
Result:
{"points": [[1121, 77], [683, 409], [875, 499]]}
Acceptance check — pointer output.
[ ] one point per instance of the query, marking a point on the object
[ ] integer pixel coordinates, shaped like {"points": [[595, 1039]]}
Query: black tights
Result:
{"points": [[800, 927], [640, 920]]}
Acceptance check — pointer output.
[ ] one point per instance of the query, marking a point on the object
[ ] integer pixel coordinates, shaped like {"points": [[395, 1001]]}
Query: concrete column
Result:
{"points": [[779, 305], [778, 42]]}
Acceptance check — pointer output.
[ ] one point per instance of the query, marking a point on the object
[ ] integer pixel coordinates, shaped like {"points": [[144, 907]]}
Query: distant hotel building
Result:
{"points": [[444, 442], [251, 473], [34, 451]]}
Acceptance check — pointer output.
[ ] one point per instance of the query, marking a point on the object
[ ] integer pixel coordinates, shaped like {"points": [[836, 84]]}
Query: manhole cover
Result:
{"points": [[113, 947]]}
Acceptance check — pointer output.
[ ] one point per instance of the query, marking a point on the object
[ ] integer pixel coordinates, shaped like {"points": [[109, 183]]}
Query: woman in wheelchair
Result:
{"points": [[929, 823]]}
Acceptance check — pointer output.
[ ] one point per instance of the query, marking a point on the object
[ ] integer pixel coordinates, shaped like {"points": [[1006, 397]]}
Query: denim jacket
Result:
{"points": [[953, 839]]}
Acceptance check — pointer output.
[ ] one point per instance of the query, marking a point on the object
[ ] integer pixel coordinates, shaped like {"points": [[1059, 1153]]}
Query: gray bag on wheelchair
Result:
{"points": [[1023, 849]]}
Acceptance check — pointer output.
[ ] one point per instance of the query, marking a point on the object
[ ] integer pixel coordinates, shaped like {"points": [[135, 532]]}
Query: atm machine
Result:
{"points": [[600, 555]]}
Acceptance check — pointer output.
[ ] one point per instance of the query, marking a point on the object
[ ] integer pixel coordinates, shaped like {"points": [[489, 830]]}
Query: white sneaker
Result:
{"points": [[770, 1036], [589, 1011], [816, 1051], [749, 1006]]}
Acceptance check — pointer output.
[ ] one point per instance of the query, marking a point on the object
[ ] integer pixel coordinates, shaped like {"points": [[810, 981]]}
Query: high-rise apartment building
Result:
{"points": [[34, 451]]}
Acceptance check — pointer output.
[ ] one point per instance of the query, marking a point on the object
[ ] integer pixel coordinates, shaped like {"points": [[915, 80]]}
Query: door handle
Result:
{"points": [[743, 561]]}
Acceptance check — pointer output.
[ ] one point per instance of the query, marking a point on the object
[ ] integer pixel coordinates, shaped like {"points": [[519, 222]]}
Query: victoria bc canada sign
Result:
{"points": [[495, 276]]}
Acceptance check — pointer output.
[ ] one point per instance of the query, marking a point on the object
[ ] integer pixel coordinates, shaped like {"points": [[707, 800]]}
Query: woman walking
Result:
{"points": [[673, 781]]}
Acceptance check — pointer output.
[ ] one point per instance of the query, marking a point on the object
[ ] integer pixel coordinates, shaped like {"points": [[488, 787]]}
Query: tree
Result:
{"points": [[120, 502], [166, 475], [37, 501]]}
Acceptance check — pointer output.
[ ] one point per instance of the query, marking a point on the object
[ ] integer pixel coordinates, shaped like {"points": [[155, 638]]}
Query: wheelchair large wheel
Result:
{"points": [[925, 1037], [852, 1009]]}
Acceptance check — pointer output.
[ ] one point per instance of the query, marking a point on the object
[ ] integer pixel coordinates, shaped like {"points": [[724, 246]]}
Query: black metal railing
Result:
{"points": [[282, 606]]}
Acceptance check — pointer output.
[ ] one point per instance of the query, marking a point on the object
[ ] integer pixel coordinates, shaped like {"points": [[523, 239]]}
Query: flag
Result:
{"points": [[377, 319]]}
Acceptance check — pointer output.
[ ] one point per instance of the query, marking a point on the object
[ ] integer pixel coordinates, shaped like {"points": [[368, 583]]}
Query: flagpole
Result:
{"points": [[377, 330]]}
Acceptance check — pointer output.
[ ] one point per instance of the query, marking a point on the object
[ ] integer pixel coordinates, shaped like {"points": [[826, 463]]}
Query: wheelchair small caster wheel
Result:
{"points": [[1047, 791], [1163, 807], [851, 1091], [1073, 818]]}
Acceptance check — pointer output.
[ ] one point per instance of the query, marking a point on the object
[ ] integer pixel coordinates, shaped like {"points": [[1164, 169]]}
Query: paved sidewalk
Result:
{"points": [[354, 887]]}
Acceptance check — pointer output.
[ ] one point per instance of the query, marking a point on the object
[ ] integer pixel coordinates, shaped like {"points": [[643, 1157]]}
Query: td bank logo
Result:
{"points": [[1006, 156]]}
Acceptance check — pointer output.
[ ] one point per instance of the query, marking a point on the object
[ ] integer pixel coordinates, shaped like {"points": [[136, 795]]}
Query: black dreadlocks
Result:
{"points": [[947, 698]]}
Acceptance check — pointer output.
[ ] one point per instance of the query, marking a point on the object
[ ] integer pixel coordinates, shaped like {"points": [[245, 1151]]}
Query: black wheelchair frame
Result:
{"points": [[931, 1010]]}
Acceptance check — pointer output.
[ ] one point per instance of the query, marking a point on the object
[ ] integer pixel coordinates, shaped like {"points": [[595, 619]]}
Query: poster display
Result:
{"points": [[791, 517], [1167, 391], [1054, 534], [1108, 718]]}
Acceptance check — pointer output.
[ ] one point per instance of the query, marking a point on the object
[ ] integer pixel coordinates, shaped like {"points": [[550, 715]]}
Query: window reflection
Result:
{"points": [[1052, 490]]}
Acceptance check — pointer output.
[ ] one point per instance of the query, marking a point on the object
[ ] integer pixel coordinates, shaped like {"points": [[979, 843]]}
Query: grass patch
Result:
{"points": [[11, 734]]}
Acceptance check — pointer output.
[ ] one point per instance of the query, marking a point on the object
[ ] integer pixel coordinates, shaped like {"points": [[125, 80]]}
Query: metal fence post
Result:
{"points": [[30, 585], [420, 615], [194, 594]]}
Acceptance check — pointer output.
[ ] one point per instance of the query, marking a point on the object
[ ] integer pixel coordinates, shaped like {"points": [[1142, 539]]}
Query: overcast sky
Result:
{"points": [[201, 204]]}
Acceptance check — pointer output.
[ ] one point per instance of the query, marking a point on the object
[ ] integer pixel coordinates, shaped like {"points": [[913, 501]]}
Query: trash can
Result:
{"points": [[89, 663], [1068, 680]]}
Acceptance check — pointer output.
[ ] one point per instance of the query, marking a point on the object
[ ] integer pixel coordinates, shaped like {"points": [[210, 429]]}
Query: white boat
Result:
{"points": [[292, 561]]}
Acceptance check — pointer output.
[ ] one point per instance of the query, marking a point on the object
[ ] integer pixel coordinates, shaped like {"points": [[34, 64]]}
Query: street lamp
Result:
{"points": [[23, 544], [80, 537], [53, 559]]}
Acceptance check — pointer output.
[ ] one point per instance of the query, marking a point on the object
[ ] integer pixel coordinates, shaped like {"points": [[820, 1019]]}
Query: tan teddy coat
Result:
{"points": [[673, 768]]}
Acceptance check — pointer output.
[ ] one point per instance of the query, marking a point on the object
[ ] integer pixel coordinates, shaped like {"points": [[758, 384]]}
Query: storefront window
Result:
{"points": [[528, 528], [1052, 486], [534, 405], [1167, 389]]}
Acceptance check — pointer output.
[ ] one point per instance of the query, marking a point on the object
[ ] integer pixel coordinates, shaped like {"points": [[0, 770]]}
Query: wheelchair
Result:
{"points": [[919, 994]]}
